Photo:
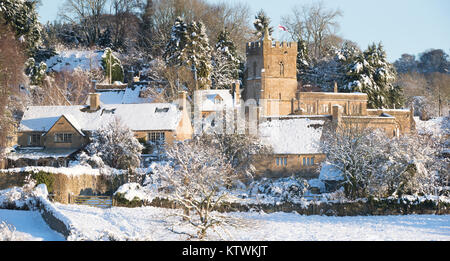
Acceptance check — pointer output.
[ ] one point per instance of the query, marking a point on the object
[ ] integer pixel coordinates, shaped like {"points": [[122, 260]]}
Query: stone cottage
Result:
{"points": [[50, 135]]}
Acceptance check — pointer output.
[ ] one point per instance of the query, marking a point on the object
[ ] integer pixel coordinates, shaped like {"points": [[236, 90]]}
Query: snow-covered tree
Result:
{"points": [[115, 145], [112, 66], [197, 182], [225, 62], [21, 15], [261, 22], [408, 168], [189, 47], [174, 52], [357, 153], [36, 72], [198, 54], [303, 61], [371, 73], [240, 150]]}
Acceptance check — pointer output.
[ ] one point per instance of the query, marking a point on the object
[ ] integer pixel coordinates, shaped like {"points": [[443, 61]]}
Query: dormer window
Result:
{"points": [[162, 109]]}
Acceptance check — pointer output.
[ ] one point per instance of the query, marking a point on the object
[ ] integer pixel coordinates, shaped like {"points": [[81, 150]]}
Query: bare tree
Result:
{"points": [[197, 181], [313, 24], [87, 13]]}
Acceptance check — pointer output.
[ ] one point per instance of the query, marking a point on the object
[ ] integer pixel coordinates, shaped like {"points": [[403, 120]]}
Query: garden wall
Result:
{"points": [[357, 208], [62, 185]]}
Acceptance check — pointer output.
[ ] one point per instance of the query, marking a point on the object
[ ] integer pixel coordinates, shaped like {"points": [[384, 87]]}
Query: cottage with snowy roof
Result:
{"points": [[49, 135]]}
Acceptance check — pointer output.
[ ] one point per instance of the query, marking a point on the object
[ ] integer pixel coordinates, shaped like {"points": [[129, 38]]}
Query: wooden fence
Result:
{"points": [[95, 201]]}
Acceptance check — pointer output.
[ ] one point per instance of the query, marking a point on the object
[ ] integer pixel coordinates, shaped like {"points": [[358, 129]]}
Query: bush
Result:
{"points": [[122, 201], [44, 178]]}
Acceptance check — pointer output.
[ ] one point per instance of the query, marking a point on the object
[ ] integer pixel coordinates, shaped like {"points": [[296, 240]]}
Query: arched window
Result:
{"points": [[254, 69], [281, 68]]}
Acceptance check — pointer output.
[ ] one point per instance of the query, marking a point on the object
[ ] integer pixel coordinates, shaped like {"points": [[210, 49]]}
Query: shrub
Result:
{"points": [[42, 177]]}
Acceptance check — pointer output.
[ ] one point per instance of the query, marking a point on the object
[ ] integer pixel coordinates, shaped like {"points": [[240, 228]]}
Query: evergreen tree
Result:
{"points": [[198, 54], [371, 73], [112, 66], [302, 57], [36, 72], [22, 16], [262, 22], [189, 46], [174, 52], [225, 62]]}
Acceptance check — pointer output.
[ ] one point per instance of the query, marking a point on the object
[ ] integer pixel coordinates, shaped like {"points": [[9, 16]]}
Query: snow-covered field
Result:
{"points": [[26, 226], [150, 223]]}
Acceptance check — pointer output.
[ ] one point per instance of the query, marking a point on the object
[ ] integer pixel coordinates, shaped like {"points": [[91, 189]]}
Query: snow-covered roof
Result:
{"points": [[208, 98], [138, 117], [122, 96], [293, 136], [39, 153]]}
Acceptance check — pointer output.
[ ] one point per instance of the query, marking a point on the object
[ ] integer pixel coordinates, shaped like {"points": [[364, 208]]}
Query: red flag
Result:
{"points": [[282, 28]]}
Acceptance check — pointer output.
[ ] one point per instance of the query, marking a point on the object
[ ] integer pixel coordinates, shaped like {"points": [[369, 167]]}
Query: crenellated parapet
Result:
{"points": [[257, 47]]}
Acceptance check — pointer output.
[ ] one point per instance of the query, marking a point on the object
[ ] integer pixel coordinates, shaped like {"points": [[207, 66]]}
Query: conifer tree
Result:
{"points": [[198, 54], [174, 52], [23, 18], [371, 73], [225, 62], [189, 46], [112, 66], [262, 22], [302, 57]]}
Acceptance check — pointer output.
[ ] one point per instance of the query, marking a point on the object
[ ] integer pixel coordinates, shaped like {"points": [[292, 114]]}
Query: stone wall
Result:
{"points": [[66, 185], [358, 208]]}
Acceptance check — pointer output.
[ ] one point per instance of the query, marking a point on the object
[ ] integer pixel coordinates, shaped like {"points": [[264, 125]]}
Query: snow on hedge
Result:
{"points": [[74, 171]]}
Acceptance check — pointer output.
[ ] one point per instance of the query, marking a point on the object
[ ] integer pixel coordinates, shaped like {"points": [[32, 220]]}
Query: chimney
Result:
{"points": [[237, 92], [182, 100], [335, 87], [94, 101], [130, 78], [337, 113]]}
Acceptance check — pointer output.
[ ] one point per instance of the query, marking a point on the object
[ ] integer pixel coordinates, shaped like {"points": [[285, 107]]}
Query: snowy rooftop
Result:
{"points": [[39, 153], [214, 100], [146, 116], [122, 96], [437, 126], [293, 136]]}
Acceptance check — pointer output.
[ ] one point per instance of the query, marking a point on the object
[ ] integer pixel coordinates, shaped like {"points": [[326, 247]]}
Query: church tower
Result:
{"points": [[272, 75]]}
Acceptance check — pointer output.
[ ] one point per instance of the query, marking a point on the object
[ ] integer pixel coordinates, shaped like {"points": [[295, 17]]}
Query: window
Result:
{"points": [[34, 139], [281, 161], [157, 137], [63, 137], [281, 68], [308, 161]]}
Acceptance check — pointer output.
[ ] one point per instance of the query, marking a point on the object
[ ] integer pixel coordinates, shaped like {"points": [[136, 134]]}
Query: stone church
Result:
{"points": [[292, 120]]}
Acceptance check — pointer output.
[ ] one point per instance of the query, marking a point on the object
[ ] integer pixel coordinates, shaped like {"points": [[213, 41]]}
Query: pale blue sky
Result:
{"points": [[403, 26]]}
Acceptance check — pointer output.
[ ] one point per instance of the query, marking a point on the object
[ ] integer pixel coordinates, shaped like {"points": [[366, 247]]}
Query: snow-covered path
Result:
{"points": [[29, 226], [149, 223]]}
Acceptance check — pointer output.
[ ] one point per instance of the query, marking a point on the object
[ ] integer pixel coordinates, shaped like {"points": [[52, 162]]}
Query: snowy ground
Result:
{"points": [[150, 223], [29, 226]]}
